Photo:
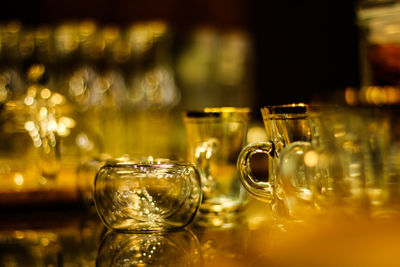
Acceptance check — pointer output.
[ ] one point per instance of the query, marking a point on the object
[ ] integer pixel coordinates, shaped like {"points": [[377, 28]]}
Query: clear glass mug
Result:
{"points": [[215, 139], [152, 195], [284, 125]]}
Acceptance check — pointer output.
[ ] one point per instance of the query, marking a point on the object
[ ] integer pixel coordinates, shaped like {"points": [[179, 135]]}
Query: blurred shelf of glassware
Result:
{"points": [[77, 90], [117, 84]]}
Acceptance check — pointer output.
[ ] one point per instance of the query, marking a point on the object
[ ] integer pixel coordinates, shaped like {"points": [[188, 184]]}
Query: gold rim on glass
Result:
{"points": [[287, 111], [218, 113]]}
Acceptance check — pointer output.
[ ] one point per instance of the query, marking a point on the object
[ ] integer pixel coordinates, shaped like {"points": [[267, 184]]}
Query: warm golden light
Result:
{"points": [[77, 85], [225, 110], [43, 112], [18, 179], [111, 34], [87, 28], [32, 90], [67, 122], [45, 93], [43, 33], [311, 158], [52, 126], [14, 26], [44, 241], [29, 100], [27, 44], [83, 142], [140, 38], [158, 28], [373, 95], [35, 72], [256, 134], [29, 126], [351, 96], [66, 38], [4, 93], [121, 51], [57, 99]]}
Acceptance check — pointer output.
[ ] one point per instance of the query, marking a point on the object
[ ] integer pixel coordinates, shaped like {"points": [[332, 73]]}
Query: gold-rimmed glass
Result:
{"points": [[215, 139]]}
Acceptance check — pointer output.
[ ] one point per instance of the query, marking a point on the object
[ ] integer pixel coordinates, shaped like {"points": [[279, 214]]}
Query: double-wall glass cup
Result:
{"points": [[215, 139], [284, 125], [155, 195]]}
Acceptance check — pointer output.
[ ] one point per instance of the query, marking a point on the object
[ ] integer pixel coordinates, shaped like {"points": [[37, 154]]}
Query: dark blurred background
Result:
{"points": [[302, 49]]}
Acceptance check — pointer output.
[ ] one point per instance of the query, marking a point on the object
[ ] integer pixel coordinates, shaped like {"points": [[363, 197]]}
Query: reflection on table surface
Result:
{"points": [[73, 236]]}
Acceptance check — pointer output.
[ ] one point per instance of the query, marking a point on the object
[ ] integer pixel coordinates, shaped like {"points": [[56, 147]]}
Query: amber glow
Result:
{"points": [[373, 95], [256, 134], [18, 179], [311, 158]]}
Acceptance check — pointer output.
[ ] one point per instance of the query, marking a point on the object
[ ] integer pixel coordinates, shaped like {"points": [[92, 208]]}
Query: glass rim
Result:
{"points": [[156, 162], [218, 112], [286, 110]]}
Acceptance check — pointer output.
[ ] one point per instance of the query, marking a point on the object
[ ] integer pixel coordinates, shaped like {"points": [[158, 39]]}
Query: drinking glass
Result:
{"points": [[152, 195], [215, 138]]}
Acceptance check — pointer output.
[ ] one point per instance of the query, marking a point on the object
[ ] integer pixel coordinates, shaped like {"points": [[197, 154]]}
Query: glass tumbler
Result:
{"points": [[147, 196], [215, 139]]}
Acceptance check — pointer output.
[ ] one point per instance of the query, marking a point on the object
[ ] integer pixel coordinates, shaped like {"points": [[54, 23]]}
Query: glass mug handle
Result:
{"points": [[262, 190], [204, 152]]}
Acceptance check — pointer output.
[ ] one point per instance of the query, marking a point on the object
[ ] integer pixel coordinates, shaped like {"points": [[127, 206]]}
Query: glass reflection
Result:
{"points": [[180, 248], [224, 246], [49, 239], [29, 248]]}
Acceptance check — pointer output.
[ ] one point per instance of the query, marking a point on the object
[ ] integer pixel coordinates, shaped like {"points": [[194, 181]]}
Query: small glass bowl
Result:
{"points": [[152, 195]]}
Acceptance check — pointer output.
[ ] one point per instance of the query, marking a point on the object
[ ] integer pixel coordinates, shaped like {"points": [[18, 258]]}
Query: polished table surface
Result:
{"points": [[71, 235]]}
